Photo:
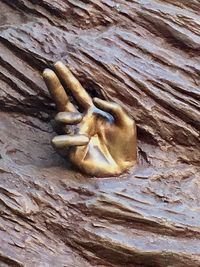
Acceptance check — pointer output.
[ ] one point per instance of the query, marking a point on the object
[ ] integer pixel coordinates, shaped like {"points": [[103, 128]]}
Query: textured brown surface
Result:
{"points": [[142, 54]]}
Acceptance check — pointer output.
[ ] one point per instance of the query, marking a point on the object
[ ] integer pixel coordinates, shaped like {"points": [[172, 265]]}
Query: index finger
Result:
{"points": [[74, 85], [57, 91]]}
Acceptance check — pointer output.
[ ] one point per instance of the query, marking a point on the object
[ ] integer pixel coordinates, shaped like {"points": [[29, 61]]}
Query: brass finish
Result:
{"points": [[103, 141]]}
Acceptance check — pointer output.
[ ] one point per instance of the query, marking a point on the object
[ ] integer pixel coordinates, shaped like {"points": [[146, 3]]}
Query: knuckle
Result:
{"points": [[116, 107], [130, 122]]}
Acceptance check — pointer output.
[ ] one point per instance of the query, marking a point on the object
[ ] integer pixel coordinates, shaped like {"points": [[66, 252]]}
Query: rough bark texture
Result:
{"points": [[142, 54]]}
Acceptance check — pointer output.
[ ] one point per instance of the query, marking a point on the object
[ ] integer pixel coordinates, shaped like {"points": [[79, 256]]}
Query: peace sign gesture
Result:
{"points": [[103, 143]]}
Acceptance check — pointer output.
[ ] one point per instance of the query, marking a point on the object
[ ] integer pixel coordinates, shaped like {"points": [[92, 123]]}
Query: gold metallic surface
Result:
{"points": [[103, 141]]}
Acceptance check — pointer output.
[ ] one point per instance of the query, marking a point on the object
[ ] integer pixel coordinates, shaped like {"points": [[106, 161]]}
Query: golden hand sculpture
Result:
{"points": [[103, 142]]}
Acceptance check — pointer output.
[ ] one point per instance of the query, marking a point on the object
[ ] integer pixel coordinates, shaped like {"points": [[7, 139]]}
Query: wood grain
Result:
{"points": [[142, 54]]}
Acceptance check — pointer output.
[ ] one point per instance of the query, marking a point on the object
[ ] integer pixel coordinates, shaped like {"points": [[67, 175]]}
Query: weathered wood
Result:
{"points": [[142, 54]]}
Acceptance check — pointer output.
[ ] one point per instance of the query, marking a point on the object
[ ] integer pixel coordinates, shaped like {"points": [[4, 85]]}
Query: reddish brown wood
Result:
{"points": [[145, 56]]}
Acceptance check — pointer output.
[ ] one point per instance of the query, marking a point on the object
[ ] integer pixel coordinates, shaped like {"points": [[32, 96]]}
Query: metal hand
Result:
{"points": [[103, 143]]}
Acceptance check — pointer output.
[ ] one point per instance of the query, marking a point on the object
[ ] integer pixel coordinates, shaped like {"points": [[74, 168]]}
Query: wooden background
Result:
{"points": [[143, 54]]}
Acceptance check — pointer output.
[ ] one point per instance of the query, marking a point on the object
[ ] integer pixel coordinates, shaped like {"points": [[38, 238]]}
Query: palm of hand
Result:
{"points": [[104, 140]]}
